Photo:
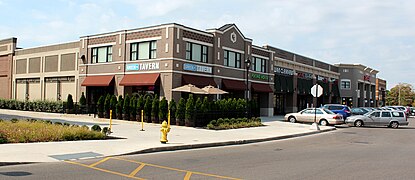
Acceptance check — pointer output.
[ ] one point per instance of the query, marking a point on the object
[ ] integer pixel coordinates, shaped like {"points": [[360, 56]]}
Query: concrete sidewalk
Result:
{"points": [[136, 141]]}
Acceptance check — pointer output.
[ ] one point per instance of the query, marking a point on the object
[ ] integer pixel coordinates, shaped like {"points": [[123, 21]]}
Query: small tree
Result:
{"points": [[120, 104], [163, 109], [155, 109], [181, 111], [82, 99], [126, 107], [107, 105], [140, 106], [205, 105], [172, 108], [100, 104], [113, 105], [133, 108], [147, 109], [190, 111], [69, 104]]}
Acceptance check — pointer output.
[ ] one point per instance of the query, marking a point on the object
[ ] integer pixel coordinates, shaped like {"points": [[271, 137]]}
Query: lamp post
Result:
{"points": [[247, 66]]}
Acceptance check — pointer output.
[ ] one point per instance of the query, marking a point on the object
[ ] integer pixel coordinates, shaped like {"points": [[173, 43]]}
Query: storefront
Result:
{"points": [[97, 86], [304, 84], [283, 89]]}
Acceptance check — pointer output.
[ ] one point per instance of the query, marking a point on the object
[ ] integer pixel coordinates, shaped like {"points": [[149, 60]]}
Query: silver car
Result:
{"points": [[388, 118], [323, 116]]}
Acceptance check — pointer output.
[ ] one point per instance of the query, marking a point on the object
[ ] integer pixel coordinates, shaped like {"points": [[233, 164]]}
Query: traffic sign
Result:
{"points": [[316, 90]]}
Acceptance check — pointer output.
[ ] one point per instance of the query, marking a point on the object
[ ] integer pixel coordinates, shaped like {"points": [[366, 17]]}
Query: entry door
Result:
{"points": [[385, 119], [374, 118], [279, 104]]}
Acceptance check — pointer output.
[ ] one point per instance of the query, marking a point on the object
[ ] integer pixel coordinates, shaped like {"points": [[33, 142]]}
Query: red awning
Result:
{"points": [[261, 88], [233, 85], [97, 80], [198, 81], [139, 79]]}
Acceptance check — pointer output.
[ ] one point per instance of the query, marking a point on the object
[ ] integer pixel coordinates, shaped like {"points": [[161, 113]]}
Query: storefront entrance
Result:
{"points": [[279, 104]]}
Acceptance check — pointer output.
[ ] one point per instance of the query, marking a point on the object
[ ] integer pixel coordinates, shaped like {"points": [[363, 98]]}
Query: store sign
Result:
{"points": [[143, 66], [366, 78], [321, 78], [305, 75], [197, 68], [259, 76], [285, 71]]}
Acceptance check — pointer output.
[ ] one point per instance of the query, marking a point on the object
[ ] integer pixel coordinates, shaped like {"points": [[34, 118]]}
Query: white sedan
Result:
{"points": [[323, 116]]}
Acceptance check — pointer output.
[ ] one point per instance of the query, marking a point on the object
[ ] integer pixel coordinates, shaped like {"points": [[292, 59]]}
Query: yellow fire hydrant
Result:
{"points": [[164, 130]]}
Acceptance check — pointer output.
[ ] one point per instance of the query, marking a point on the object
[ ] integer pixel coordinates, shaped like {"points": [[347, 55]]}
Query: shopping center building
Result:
{"points": [[160, 58]]}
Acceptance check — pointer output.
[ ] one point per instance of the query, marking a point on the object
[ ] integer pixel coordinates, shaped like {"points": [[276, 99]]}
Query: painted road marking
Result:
{"points": [[188, 174], [99, 162], [132, 174]]}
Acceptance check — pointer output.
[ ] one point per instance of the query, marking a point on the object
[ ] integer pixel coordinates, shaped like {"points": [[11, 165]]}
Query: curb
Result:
{"points": [[226, 143]]}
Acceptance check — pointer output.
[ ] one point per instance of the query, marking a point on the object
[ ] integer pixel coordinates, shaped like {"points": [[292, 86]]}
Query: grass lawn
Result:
{"points": [[25, 131]]}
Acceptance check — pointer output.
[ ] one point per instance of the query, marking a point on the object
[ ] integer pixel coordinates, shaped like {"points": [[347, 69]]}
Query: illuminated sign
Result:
{"points": [[197, 68], [143, 66]]}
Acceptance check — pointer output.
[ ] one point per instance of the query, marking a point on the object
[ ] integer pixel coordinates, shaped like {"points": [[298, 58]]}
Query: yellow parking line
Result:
{"points": [[99, 162], [137, 170], [103, 170], [188, 174], [174, 169]]}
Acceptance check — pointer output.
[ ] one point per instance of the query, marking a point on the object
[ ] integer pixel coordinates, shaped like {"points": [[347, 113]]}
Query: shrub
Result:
{"points": [[96, 128], [113, 105], [106, 131], [205, 105], [155, 109], [14, 120], [85, 127], [66, 124], [120, 103], [213, 122], [163, 109], [126, 107], [147, 109], [69, 103], [190, 111], [140, 106], [58, 123], [172, 108], [82, 100], [198, 104], [181, 112], [133, 108], [100, 104], [107, 104]]}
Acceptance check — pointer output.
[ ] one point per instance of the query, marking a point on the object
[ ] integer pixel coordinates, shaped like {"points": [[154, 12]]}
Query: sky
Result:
{"points": [[376, 33]]}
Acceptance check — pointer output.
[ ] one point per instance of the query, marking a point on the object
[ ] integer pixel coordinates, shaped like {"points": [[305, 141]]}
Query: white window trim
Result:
{"points": [[198, 42], [231, 49], [262, 57], [144, 40], [102, 45], [345, 80]]}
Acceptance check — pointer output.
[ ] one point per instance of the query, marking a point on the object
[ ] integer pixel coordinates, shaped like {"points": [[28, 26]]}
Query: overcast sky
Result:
{"points": [[376, 33]]}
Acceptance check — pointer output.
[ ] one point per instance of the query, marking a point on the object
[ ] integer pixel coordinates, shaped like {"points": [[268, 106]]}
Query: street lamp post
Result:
{"points": [[247, 66]]}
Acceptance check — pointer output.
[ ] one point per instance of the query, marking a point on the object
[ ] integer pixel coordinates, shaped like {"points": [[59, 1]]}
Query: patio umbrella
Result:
{"points": [[212, 90], [190, 88]]}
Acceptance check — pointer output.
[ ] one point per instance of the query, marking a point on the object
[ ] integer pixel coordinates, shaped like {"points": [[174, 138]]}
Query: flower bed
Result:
{"points": [[233, 123]]}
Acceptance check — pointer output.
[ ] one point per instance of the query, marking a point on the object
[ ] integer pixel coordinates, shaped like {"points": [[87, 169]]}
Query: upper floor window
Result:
{"points": [[345, 84], [232, 59], [258, 64], [196, 52], [102, 54], [143, 50]]}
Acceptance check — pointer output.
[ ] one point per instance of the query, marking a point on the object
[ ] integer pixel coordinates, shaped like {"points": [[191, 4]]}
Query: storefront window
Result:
{"points": [[144, 50], [232, 59], [196, 52], [102, 54]]}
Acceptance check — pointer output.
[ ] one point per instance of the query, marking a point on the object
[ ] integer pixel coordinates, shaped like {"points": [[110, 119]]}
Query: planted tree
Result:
{"points": [[107, 106], [100, 104], [163, 109], [113, 105], [119, 107], [82, 99], [155, 109], [69, 104], [181, 111], [126, 107], [190, 112], [133, 108], [140, 106], [172, 108], [147, 109]]}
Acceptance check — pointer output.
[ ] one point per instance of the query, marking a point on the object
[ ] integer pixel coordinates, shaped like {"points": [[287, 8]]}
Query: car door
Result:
{"points": [[385, 119], [372, 119], [308, 115]]}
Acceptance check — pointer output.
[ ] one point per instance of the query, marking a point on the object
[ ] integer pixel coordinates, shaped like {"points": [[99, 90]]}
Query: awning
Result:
{"points": [[198, 81], [139, 79], [97, 80], [233, 85], [256, 87]]}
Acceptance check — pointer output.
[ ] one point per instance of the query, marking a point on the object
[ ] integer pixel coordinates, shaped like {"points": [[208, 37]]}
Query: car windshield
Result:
{"points": [[328, 111]]}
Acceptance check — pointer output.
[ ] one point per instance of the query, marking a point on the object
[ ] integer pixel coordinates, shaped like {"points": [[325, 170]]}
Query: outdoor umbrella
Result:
{"points": [[190, 88], [212, 90]]}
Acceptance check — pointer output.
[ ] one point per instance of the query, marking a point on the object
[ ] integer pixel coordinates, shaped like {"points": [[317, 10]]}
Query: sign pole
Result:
{"points": [[315, 107]]}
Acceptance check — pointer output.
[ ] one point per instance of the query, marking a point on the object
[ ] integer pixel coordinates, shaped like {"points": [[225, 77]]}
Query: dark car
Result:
{"points": [[340, 109], [360, 111]]}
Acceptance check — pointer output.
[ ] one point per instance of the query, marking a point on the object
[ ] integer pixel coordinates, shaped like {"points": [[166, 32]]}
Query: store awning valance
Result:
{"points": [[233, 85], [98, 80], [257, 87], [198, 81], [139, 79]]}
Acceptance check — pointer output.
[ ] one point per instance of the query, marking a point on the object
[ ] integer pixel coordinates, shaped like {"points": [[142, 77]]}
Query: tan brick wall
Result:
{"points": [[51, 63], [144, 34], [34, 65], [102, 40]]}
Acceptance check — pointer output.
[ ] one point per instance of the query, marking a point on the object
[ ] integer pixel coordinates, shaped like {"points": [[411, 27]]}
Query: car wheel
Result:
{"points": [[394, 125], [292, 119], [324, 123], [358, 123]]}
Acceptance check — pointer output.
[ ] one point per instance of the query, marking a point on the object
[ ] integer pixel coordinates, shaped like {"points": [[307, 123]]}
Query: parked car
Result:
{"points": [[392, 119], [360, 110], [401, 108], [412, 111], [340, 109], [323, 116]]}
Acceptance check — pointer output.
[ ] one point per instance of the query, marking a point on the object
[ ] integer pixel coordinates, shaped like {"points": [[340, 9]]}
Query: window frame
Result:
{"points": [[95, 54], [204, 50], [238, 57], [347, 84], [262, 66], [152, 50]]}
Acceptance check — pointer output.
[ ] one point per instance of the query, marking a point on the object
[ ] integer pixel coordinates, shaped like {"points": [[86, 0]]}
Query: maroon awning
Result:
{"points": [[233, 85], [198, 81], [97, 80], [265, 88], [139, 79]]}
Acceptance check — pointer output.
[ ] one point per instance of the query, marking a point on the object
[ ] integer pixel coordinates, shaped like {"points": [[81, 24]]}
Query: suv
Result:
{"points": [[340, 109]]}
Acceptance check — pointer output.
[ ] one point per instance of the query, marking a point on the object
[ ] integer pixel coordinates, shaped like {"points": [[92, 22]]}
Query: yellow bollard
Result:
{"points": [[168, 119], [164, 130], [110, 121], [142, 120]]}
